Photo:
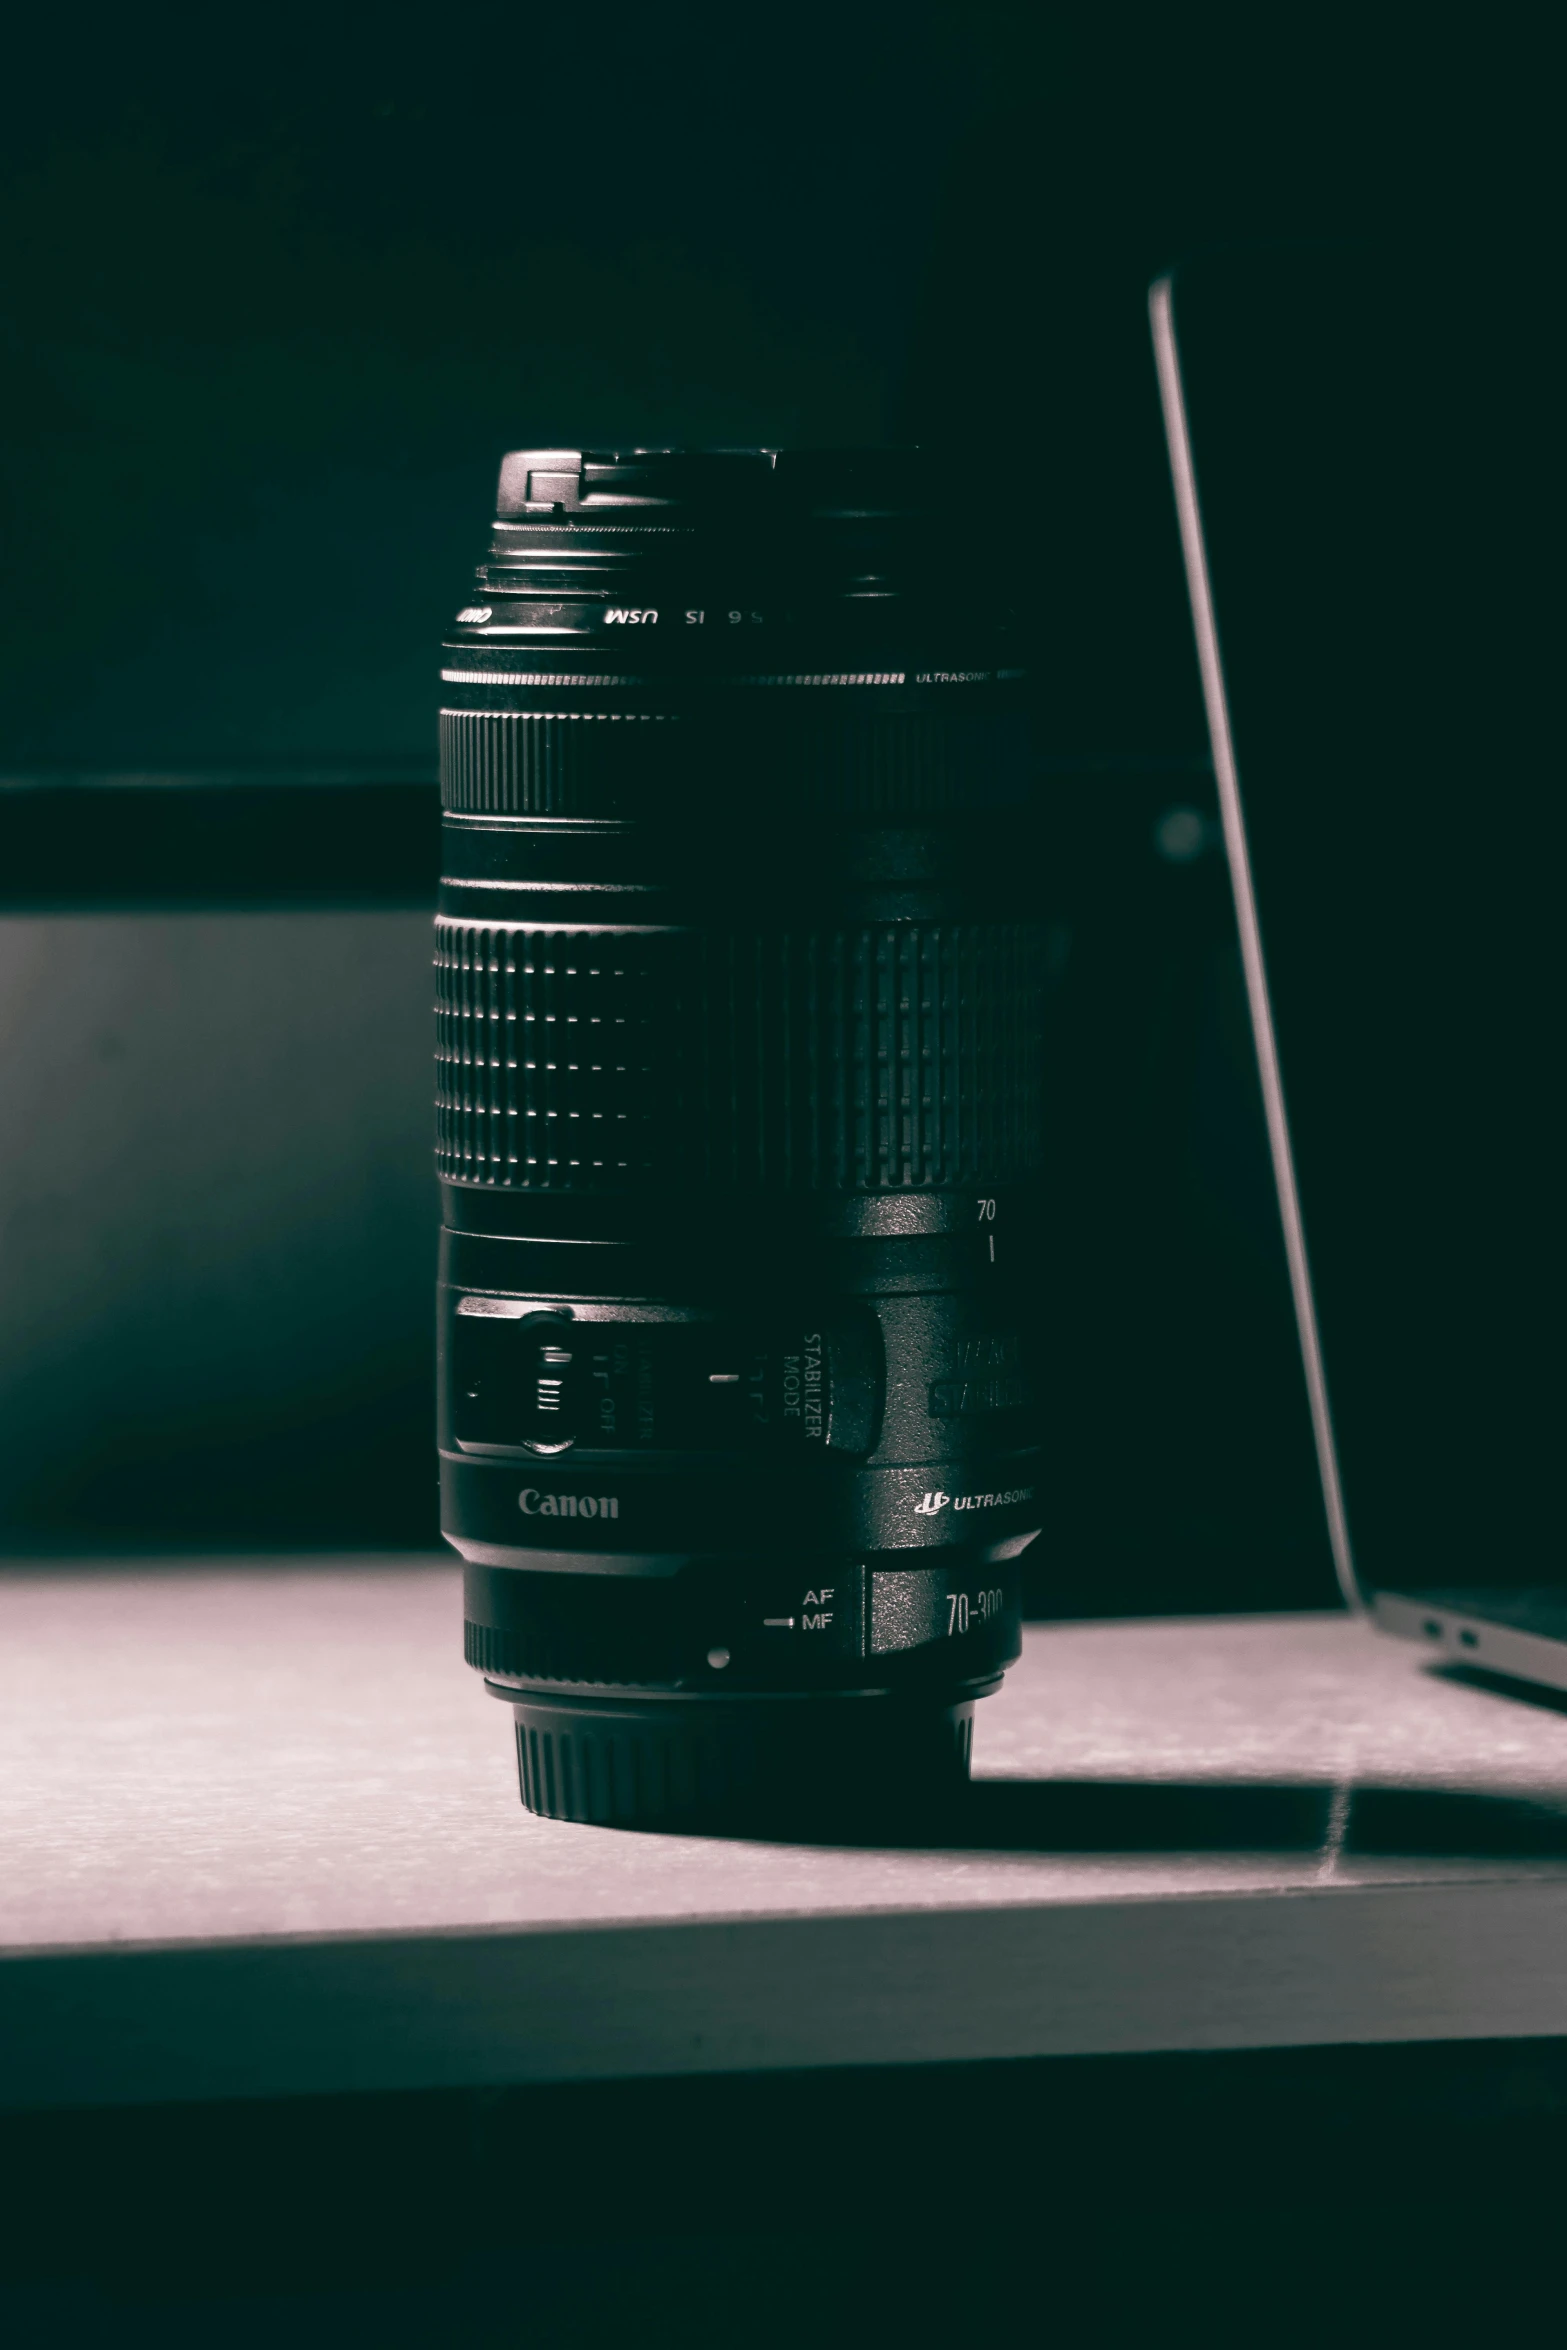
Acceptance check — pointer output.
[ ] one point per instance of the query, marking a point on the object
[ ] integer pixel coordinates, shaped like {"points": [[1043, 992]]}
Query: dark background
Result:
{"points": [[281, 284], [280, 287]]}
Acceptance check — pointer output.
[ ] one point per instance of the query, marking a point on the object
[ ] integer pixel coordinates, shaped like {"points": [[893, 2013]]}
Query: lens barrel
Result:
{"points": [[740, 1003]]}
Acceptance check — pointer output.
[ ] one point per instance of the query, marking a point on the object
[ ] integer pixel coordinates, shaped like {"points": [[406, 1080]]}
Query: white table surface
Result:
{"points": [[260, 1834]]}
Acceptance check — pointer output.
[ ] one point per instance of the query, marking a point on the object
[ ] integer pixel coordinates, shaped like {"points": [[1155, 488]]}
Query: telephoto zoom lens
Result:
{"points": [[739, 1124]]}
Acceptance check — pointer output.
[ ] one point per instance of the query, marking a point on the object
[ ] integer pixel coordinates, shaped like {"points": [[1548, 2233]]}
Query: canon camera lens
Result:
{"points": [[739, 1114]]}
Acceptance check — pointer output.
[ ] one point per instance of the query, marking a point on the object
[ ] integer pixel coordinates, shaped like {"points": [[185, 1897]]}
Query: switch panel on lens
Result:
{"points": [[547, 1382]]}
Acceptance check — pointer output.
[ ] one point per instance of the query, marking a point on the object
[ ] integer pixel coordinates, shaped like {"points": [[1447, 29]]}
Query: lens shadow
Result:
{"points": [[1145, 1817]]}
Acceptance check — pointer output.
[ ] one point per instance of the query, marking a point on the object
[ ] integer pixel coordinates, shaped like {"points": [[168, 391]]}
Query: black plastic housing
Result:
{"points": [[740, 1112]]}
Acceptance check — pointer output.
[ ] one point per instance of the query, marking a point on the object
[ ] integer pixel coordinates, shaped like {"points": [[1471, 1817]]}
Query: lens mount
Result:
{"points": [[788, 1761]]}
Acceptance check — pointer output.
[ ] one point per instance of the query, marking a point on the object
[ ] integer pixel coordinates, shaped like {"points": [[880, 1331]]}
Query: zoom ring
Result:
{"points": [[620, 764], [878, 1058]]}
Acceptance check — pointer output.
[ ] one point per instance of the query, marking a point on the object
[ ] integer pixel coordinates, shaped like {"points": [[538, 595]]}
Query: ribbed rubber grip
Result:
{"points": [[622, 1774], [882, 1058], [621, 764], [619, 1632], [508, 763]]}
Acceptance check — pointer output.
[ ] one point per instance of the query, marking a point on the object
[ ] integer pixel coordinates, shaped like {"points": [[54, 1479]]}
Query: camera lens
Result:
{"points": [[739, 1117]]}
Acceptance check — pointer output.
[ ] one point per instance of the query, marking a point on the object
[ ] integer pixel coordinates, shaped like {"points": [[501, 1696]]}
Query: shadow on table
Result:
{"points": [[1504, 1685], [1139, 1816]]}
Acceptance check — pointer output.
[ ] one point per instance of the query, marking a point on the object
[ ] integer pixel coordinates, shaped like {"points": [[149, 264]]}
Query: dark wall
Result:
{"points": [[218, 1229], [282, 289], [279, 286]]}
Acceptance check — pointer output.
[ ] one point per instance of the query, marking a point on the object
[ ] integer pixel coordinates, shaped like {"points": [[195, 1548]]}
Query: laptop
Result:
{"points": [[1363, 456]]}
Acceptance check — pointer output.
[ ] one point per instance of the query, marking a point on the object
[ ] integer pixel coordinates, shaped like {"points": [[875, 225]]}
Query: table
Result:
{"points": [[260, 1835]]}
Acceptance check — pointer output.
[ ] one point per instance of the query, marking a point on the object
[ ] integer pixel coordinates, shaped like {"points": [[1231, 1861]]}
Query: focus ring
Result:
{"points": [[506, 763], [885, 1057], [626, 763]]}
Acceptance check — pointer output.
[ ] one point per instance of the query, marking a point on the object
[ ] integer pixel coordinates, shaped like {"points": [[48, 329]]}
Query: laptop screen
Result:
{"points": [[1372, 456]]}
